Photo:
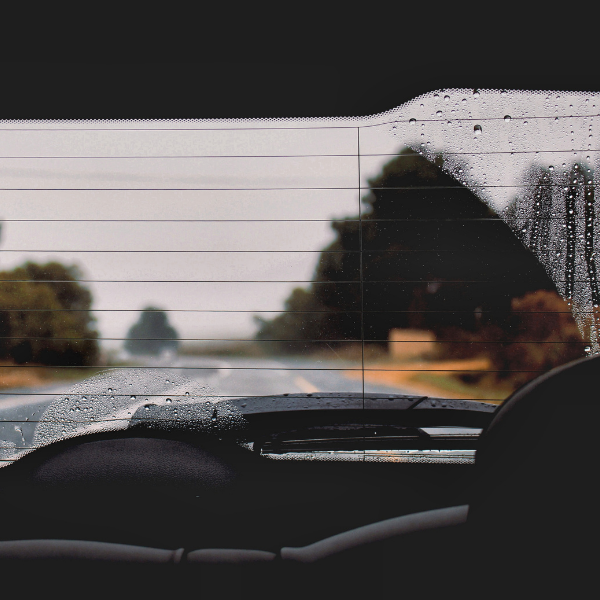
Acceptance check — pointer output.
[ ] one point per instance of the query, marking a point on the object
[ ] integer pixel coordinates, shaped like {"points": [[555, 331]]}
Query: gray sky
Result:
{"points": [[212, 276]]}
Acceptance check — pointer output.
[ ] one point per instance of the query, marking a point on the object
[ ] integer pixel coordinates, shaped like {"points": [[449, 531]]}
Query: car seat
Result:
{"points": [[530, 525]]}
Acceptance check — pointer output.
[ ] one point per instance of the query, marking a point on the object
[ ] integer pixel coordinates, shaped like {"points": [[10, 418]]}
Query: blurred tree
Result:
{"points": [[45, 316], [434, 256], [303, 320], [152, 334]]}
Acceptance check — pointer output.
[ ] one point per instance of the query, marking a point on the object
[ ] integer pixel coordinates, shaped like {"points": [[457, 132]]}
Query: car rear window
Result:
{"points": [[443, 248]]}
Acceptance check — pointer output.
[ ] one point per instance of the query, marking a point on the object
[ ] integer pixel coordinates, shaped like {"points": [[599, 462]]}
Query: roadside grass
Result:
{"points": [[72, 373], [431, 377], [450, 383], [14, 376]]}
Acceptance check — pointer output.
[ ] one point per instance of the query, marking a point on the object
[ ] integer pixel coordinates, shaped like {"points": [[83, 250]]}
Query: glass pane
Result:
{"points": [[445, 248]]}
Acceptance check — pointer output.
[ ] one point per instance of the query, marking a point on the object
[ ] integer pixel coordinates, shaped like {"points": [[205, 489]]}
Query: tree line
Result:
{"points": [[46, 319]]}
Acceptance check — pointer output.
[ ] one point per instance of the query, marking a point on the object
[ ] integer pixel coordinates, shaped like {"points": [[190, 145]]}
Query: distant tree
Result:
{"points": [[45, 316], [152, 334], [303, 320]]}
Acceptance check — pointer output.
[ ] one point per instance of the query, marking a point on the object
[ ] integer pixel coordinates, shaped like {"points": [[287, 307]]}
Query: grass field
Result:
{"points": [[22, 376], [433, 378], [450, 383]]}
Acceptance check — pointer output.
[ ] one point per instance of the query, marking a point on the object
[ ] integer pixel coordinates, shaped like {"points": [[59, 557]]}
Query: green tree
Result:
{"points": [[152, 334], [45, 316]]}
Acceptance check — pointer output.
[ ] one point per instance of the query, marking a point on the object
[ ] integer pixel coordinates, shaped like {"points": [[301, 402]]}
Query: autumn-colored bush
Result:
{"points": [[538, 334], [544, 335]]}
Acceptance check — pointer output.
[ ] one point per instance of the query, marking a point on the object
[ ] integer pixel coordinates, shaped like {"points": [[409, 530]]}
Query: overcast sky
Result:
{"points": [[221, 177], [226, 218]]}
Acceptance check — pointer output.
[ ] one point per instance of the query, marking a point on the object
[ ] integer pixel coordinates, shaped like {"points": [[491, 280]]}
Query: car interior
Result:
{"points": [[153, 509]]}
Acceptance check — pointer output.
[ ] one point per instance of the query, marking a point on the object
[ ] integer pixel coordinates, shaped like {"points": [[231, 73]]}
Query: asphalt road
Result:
{"points": [[234, 377]]}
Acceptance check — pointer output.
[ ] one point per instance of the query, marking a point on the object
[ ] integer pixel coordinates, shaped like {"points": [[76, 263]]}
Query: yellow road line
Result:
{"points": [[305, 386]]}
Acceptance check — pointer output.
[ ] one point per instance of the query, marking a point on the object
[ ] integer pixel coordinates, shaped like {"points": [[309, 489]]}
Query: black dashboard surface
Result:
{"points": [[171, 491]]}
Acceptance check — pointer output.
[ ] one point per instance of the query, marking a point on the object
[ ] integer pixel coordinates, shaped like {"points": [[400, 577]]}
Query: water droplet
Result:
{"points": [[412, 121], [438, 113], [168, 401], [446, 98], [507, 118], [132, 398], [551, 168], [475, 93], [588, 349], [477, 130]]}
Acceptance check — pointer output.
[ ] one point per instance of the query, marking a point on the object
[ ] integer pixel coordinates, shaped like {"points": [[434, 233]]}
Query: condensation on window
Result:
{"points": [[532, 157], [121, 398]]}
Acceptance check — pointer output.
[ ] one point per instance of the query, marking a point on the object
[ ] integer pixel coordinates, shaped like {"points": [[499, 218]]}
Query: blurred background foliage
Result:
{"points": [[45, 316], [434, 257]]}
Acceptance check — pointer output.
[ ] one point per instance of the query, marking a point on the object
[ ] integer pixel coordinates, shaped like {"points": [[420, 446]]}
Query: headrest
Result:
{"points": [[537, 462]]}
